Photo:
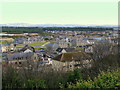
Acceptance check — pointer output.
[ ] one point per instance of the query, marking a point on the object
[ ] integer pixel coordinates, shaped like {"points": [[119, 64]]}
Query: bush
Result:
{"points": [[35, 83], [110, 79], [74, 76], [13, 78]]}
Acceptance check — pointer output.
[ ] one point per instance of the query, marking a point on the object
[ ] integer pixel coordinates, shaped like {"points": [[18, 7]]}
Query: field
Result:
{"points": [[20, 46], [80, 48], [37, 43], [33, 44], [3, 42]]}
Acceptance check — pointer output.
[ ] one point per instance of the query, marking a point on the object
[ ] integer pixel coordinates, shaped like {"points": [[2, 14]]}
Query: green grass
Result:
{"points": [[37, 48], [3, 62], [37, 43], [3, 42], [20, 46], [34, 44], [53, 41], [2, 55], [80, 48]]}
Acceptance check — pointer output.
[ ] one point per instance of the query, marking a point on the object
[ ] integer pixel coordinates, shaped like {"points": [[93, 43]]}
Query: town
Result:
{"points": [[59, 49], [60, 44]]}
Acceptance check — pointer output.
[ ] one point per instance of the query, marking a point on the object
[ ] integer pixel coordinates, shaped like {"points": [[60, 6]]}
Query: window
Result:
{"points": [[20, 63], [35, 58], [15, 62], [70, 65]]}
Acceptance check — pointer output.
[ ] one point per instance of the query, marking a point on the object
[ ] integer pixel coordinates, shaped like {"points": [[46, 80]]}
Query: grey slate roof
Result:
{"points": [[27, 47], [19, 55], [66, 49]]}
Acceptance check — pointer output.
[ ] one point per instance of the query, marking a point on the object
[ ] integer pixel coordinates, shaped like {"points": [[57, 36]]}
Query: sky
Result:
{"points": [[84, 13]]}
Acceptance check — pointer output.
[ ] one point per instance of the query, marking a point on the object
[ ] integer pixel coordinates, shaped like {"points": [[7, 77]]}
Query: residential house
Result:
{"points": [[64, 44], [21, 55], [22, 59], [33, 39], [65, 50], [45, 59], [6, 47], [78, 42], [89, 49], [27, 49], [52, 47], [71, 61]]}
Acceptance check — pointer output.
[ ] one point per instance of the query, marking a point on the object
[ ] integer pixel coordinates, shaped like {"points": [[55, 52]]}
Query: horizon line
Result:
{"points": [[55, 24]]}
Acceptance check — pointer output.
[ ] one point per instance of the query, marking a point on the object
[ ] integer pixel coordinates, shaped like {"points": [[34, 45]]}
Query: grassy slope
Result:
{"points": [[34, 44], [37, 43]]}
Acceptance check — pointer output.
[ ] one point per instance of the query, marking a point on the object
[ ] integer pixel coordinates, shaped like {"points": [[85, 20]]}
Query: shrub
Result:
{"points": [[110, 79], [35, 83], [13, 78], [74, 76]]}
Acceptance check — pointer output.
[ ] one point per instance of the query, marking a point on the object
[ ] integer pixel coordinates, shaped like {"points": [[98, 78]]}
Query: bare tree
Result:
{"points": [[102, 49]]}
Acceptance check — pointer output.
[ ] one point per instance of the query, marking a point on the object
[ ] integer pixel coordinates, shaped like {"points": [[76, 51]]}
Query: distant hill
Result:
{"points": [[54, 25], [14, 30]]}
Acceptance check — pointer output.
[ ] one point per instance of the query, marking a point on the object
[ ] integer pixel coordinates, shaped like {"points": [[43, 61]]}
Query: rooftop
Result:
{"points": [[72, 56]]}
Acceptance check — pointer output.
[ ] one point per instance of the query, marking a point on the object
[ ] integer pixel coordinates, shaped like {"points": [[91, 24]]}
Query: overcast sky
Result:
{"points": [[97, 13]]}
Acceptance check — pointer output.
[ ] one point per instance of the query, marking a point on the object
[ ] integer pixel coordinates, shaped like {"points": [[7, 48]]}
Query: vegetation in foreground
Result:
{"points": [[74, 79], [109, 79], [104, 73]]}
